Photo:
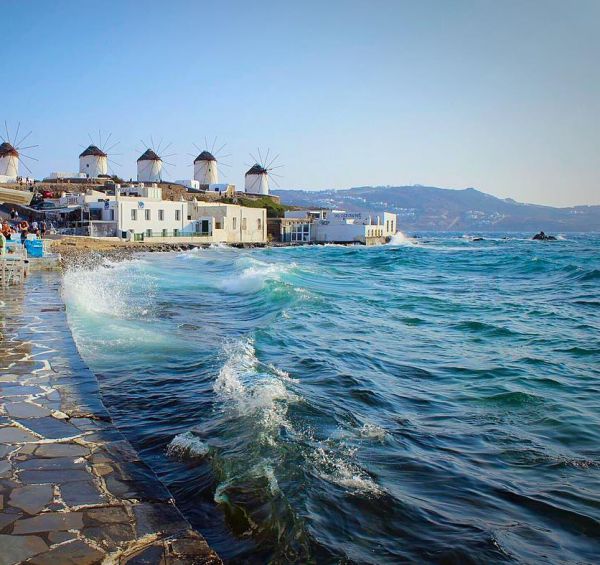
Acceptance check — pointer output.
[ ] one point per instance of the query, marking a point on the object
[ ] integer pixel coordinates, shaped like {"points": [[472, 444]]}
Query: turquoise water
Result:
{"points": [[430, 401]]}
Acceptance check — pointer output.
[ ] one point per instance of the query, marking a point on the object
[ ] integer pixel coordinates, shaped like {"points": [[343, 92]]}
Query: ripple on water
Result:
{"points": [[433, 400]]}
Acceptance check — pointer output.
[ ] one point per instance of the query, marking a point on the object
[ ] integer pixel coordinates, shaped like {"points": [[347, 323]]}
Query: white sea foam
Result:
{"points": [[113, 289], [400, 239], [187, 445], [372, 431], [255, 275], [252, 389], [337, 467]]}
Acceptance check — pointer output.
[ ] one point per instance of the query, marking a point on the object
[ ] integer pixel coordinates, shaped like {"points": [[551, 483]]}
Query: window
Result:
{"points": [[148, 232], [387, 225], [134, 214], [234, 223], [148, 214], [161, 215], [259, 223], [175, 233], [244, 224], [177, 215], [164, 233], [218, 225]]}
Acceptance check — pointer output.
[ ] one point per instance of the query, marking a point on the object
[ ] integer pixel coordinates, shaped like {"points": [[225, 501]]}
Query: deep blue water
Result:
{"points": [[433, 401]]}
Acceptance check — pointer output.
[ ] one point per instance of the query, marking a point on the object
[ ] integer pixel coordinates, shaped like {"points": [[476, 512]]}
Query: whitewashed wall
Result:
{"points": [[93, 165]]}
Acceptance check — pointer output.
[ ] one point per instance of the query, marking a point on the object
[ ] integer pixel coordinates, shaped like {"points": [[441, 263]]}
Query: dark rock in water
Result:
{"points": [[543, 237], [477, 239]]}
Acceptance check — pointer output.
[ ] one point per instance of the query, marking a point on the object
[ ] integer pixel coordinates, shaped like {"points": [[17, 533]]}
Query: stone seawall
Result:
{"points": [[72, 488]]}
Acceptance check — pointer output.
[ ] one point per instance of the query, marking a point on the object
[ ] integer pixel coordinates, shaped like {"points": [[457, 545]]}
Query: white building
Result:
{"points": [[93, 162], [230, 223], [139, 213], [257, 180], [205, 168], [337, 226], [9, 162], [65, 175], [149, 167], [189, 183]]}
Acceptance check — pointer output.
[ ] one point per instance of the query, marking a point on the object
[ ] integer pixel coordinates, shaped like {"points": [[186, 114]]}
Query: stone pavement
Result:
{"points": [[72, 489]]}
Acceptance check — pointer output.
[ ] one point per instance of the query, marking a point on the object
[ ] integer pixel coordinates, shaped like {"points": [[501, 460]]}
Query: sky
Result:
{"points": [[500, 96]]}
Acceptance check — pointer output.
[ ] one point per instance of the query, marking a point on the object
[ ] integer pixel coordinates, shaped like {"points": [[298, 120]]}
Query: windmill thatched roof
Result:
{"points": [[7, 150], [256, 169], [149, 155], [205, 156], [93, 150]]}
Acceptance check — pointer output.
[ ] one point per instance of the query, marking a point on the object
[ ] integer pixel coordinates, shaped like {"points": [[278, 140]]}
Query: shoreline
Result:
{"points": [[71, 485]]}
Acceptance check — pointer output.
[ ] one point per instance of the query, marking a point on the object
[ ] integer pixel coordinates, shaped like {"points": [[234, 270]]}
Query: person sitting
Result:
{"points": [[6, 230]]}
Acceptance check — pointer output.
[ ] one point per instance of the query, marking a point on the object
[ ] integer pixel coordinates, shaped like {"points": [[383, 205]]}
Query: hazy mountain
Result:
{"points": [[431, 208]]}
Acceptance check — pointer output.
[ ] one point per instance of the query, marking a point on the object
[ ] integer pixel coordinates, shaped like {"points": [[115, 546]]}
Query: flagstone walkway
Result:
{"points": [[72, 488]]}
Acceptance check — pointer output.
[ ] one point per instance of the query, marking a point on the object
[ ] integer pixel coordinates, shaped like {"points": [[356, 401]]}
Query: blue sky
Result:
{"points": [[501, 96]]}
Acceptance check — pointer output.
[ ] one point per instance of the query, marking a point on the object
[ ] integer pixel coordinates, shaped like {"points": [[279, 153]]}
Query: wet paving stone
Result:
{"points": [[25, 410], [110, 536], [53, 476], [76, 552], [16, 549], [13, 434], [50, 428], [32, 498], [9, 390], [8, 516], [5, 469], [106, 515], [61, 450], [49, 522], [53, 463], [81, 493]]}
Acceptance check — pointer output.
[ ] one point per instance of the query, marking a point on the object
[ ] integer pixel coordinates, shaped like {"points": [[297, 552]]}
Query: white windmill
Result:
{"points": [[256, 180], [94, 159], [150, 163], [207, 164], [11, 153]]}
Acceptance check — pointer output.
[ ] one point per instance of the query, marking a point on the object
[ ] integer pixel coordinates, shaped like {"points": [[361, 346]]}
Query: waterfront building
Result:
{"points": [[339, 226], [206, 171], [149, 167], [333, 226], [230, 223], [93, 162], [139, 213], [257, 180]]}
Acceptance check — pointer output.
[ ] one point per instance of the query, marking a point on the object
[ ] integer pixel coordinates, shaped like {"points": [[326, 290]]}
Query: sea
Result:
{"points": [[433, 400]]}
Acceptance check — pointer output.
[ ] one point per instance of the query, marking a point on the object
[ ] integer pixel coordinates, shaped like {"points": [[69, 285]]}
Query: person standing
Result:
{"points": [[43, 228], [13, 214], [24, 227]]}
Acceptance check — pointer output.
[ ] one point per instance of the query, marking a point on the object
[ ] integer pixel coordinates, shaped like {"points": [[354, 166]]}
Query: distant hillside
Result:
{"points": [[431, 208]]}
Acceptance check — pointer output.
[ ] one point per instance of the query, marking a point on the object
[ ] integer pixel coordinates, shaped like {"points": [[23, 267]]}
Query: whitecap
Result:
{"points": [[187, 445]]}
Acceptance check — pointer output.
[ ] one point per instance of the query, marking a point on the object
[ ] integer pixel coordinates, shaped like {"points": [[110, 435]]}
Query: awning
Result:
{"points": [[12, 196]]}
